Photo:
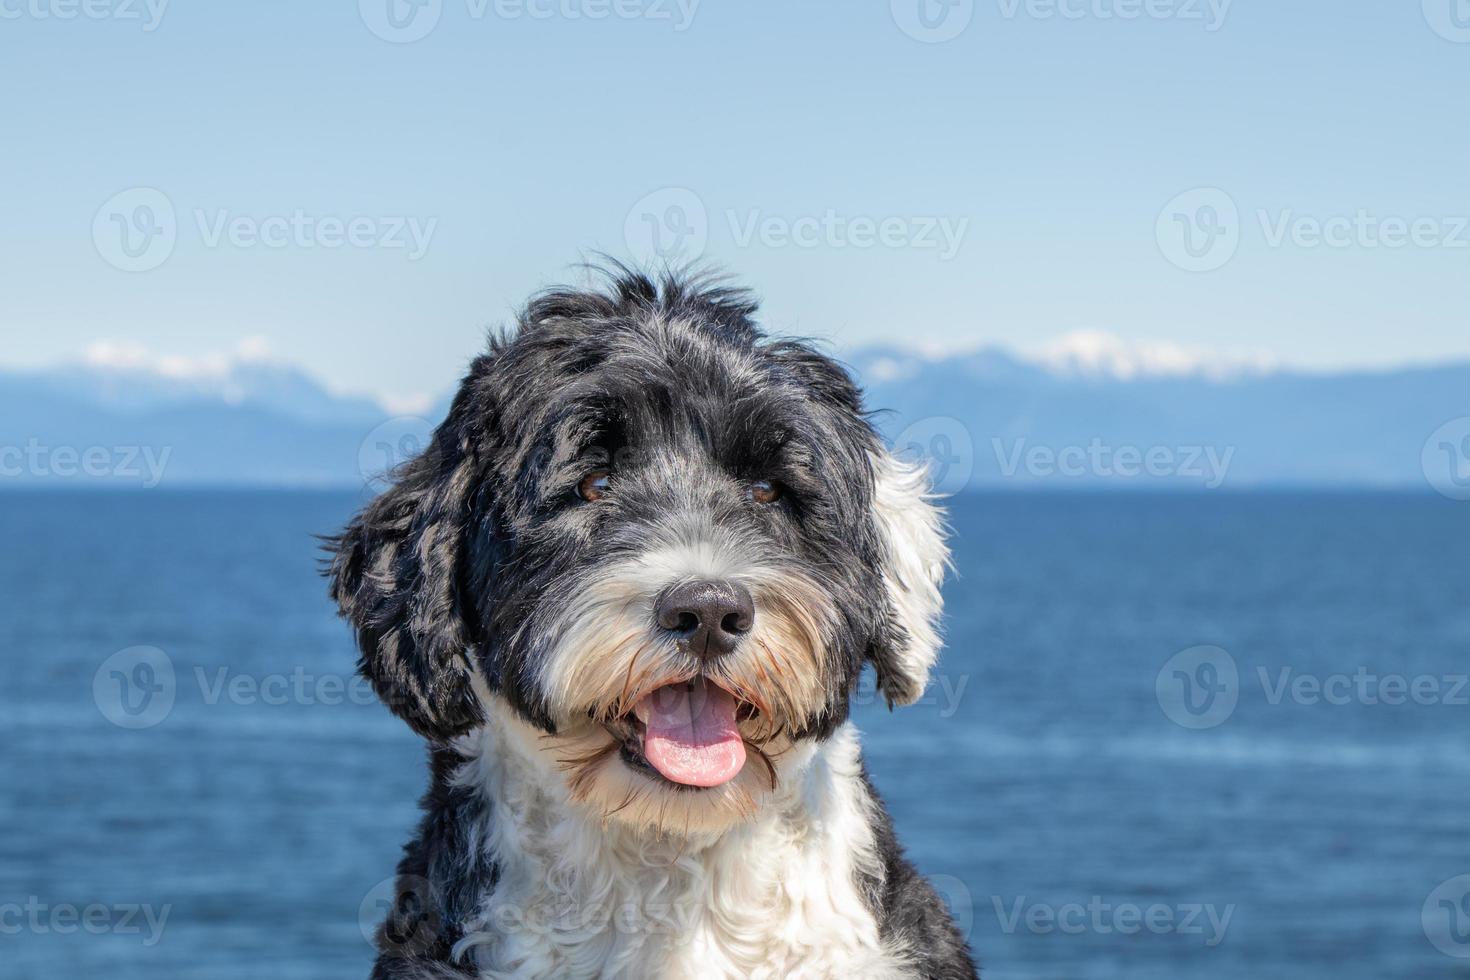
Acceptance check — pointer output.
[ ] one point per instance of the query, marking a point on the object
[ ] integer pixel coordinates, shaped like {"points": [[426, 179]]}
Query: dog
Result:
{"points": [[626, 593]]}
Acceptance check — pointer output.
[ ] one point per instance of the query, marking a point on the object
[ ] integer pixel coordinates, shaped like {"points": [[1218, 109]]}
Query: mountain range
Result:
{"points": [[1089, 411]]}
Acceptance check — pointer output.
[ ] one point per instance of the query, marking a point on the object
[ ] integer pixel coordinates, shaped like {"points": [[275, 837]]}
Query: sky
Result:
{"points": [[364, 186]]}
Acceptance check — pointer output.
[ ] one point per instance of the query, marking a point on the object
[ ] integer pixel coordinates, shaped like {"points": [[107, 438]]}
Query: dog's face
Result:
{"points": [[667, 545]]}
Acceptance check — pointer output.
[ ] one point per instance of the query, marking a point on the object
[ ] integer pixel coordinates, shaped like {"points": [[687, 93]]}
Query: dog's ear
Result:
{"points": [[913, 560], [396, 576]]}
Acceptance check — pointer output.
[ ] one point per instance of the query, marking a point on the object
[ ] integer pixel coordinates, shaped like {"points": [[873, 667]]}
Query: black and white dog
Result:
{"points": [[626, 593]]}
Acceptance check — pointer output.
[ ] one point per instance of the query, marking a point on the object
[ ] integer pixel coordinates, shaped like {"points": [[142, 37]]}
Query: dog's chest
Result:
{"points": [[773, 910], [780, 896]]}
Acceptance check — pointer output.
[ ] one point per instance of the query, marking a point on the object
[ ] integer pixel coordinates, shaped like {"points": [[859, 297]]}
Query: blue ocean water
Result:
{"points": [[1095, 797]]}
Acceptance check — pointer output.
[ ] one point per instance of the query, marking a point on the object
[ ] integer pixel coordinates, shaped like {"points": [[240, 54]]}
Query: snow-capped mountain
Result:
{"points": [[129, 379], [1087, 410], [1097, 355]]}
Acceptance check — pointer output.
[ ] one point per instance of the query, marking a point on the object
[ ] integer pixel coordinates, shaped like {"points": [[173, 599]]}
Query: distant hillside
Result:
{"points": [[1089, 415], [1013, 423], [245, 423]]}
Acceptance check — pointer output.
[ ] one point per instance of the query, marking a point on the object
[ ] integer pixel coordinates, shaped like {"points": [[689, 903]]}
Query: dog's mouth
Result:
{"points": [[687, 734]]}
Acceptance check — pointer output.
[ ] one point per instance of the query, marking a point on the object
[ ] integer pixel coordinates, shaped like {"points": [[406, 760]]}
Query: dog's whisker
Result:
{"points": [[776, 662], [761, 754], [628, 678], [629, 798]]}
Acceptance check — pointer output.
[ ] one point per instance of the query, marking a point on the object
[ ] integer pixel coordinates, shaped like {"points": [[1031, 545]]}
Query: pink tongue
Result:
{"points": [[690, 735]]}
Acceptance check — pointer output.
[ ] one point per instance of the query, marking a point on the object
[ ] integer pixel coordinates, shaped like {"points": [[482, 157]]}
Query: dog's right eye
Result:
{"points": [[594, 485]]}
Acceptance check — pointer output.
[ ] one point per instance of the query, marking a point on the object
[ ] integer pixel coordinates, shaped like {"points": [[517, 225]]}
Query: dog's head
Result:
{"points": [[660, 540]]}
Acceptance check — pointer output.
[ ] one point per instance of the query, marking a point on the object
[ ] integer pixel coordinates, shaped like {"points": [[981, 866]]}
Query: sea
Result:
{"points": [[1173, 735]]}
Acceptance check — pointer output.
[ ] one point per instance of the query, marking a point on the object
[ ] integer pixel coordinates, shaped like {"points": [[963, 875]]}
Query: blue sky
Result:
{"points": [[818, 150]]}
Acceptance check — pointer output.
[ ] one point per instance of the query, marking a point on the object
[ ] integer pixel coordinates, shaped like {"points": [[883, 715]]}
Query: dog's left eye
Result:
{"points": [[594, 485], [764, 491]]}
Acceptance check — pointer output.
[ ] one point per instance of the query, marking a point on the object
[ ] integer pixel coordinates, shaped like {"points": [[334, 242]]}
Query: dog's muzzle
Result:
{"points": [[687, 732]]}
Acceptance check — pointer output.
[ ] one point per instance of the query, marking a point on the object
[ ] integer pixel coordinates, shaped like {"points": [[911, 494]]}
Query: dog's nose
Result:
{"points": [[711, 617]]}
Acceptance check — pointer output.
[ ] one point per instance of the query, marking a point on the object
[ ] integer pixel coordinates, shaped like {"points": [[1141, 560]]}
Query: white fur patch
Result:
{"points": [[913, 529], [579, 897]]}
